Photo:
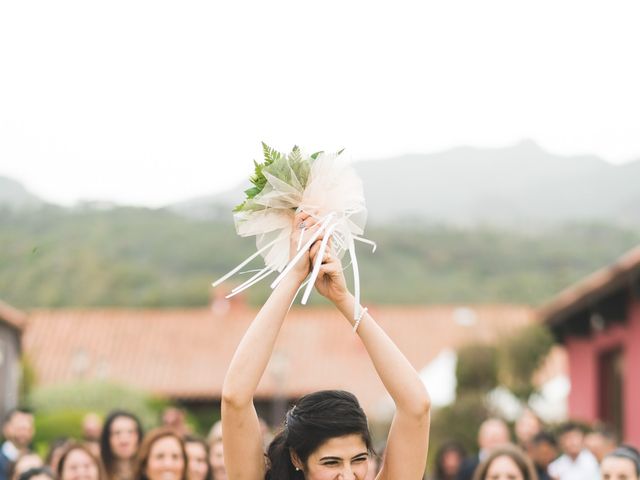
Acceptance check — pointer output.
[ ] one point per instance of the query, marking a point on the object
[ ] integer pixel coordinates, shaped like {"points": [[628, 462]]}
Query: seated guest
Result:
{"points": [[38, 473], [507, 462], [216, 457], [600, 441], [543, 450], [198, 459], [119, 442], [17, 431], [91, 432], [576, 462], [78, 462], [448, 461], [25, 462], [492, 433], [621, 464], [527, 426], [175, 419], [162, 456]]}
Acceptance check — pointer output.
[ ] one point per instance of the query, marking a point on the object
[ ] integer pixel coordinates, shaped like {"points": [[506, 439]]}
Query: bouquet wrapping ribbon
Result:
{"points": [[332, 193]]}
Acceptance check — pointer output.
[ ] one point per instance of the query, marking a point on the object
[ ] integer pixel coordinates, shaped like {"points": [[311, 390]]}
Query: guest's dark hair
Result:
{"points": [[628, 452], [9, 415], [106, 453], [569, 427], [544, 437], [514, 453], [450, 446], [314, 419], [34, 472]]}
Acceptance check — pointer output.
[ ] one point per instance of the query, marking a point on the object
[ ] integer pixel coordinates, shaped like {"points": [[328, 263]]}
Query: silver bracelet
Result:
{"points": [[359, 319]]}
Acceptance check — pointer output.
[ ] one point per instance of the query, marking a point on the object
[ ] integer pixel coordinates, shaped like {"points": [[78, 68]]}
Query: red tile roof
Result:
{"points": [[14, 317], [591, 288], [185, 353]]}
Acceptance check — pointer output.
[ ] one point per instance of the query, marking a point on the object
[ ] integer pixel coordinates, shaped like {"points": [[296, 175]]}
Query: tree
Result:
{"points": [[520, 356]]}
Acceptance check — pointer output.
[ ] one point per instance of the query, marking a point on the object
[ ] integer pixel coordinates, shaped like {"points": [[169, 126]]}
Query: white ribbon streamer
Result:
{"points": [[264, 273], [356, 279], [239, 267]]}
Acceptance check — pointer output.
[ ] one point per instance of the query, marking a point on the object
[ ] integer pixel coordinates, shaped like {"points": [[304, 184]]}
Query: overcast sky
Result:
{"points": [[151, 102]]}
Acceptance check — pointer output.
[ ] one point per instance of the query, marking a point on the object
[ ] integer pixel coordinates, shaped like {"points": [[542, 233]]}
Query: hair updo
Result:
{"points": [[313, 420]]}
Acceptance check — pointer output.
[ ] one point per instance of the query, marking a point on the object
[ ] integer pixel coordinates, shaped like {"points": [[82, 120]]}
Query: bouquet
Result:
{"points": [[322, 185]]}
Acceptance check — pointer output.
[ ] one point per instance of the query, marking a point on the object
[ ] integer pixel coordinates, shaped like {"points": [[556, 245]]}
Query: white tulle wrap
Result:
{"points": [[333, 196]]}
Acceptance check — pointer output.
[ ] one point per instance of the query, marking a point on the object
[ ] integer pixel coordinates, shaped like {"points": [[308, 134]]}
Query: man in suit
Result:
{"points": [[493, 433], [17, 431]]}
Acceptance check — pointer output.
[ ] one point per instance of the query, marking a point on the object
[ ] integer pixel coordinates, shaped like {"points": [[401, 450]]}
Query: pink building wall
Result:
{"points": [[583, 370], [632, 377]]}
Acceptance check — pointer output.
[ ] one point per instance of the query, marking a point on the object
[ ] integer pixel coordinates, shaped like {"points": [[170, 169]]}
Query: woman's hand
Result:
{"points": [[301, 269], [330, 282]]}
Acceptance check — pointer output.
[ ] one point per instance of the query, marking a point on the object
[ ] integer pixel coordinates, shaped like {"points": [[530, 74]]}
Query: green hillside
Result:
{"points": [[154, 258]]}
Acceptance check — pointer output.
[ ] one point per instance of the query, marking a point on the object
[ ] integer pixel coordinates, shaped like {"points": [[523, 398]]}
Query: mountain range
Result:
{"points": [[518, 186], [15, 195]]}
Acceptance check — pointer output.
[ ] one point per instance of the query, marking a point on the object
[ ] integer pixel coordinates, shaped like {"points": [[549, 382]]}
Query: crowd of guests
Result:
{"points": [[115, 450], [535, 453], [118, 449]]}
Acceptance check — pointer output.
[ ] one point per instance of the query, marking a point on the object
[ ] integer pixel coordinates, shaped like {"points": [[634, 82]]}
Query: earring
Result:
{"points": [[297, 469]]}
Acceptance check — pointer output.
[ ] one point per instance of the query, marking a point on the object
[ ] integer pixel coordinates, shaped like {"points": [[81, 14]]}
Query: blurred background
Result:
{"points": [[499, 147]]}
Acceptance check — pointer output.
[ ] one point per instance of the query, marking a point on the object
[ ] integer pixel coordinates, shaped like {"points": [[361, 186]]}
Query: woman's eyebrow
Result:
{"points": [[360, 455], [331, 458]]}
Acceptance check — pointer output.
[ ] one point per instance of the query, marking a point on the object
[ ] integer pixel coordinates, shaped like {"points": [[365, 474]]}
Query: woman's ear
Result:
{"points": [[297, 463]]}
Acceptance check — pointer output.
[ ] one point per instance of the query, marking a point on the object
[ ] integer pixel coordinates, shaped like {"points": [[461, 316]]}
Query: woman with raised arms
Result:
{"points": [[325, 435]]}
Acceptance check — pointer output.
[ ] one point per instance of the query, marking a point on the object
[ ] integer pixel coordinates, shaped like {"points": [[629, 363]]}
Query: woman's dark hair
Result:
{"points": [[201, 442], [450, 446], [628, 452], [544, 437], [514, 453], [106, 453], [15, 469], [34, 472], [70, 447], [144, 452], [313, 420]]}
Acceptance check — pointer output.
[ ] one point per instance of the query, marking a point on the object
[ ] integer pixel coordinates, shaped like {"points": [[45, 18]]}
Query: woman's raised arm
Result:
{"points": [[407, 444], [242, 439]]}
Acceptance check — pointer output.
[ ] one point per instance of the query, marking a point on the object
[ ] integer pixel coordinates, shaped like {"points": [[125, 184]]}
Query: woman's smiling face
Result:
{"points": [[616, 468], [339, 458], [79, 466], [166, 460], [503, 468]]}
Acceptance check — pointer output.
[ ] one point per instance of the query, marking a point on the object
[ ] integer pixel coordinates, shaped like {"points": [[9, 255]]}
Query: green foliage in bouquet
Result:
{"points": [[283, 167]]}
